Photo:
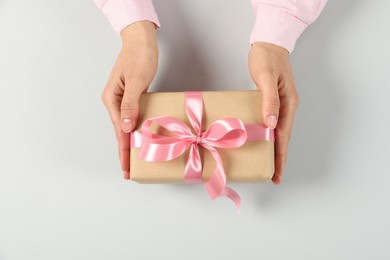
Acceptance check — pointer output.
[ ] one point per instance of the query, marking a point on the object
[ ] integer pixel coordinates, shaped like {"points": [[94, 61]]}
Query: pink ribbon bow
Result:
{"points": [[227, 133]]}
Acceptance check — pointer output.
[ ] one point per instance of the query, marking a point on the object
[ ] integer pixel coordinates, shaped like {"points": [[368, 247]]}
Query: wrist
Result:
{"points": [[271, 47], [142, 31]]}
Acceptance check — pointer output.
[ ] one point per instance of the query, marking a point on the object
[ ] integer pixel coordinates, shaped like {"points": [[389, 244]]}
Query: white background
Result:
{"points": [[62, 194]]}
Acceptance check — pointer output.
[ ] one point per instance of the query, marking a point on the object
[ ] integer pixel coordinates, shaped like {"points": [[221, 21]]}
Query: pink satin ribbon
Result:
{"points": [[226, 133]]}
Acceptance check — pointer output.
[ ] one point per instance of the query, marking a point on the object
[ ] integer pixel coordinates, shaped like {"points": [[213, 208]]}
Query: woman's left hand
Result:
{"points": [[270, 70]]}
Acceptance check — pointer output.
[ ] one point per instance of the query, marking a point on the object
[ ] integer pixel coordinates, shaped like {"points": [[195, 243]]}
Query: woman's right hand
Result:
{"points": [[133, 72]]}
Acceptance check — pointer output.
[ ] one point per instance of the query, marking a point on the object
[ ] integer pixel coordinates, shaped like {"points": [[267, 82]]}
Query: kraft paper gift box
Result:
{"points": [[251, 162]]}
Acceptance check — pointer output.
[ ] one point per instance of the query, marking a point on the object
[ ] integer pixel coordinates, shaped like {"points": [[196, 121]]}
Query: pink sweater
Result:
{"points": [[279, 22]]}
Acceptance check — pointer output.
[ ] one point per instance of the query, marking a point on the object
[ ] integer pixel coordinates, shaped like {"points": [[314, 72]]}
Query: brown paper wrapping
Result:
{"points": [[252, 162]]}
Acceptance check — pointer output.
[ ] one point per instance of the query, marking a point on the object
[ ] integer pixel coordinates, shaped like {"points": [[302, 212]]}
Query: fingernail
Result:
{"points": [[272, 121], [126, 175], [127, 125]]}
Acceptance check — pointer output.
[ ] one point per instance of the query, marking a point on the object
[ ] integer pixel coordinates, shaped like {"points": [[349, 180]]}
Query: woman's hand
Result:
{"points": [[131, 75], [271, 72]]}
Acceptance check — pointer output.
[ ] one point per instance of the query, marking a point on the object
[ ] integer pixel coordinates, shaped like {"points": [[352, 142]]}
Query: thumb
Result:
{"points": [[130, 108], [270, 101]]}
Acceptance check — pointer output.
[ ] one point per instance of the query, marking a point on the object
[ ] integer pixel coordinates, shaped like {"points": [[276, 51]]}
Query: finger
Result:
{"points": [[270, 99], [289, 104], [112, 100], [129, 110], [130, 105], [124, 153]]}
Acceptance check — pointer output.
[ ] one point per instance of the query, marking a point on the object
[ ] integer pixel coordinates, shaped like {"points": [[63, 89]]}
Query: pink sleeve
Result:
{"points": [[281, 22], [121, 13]]}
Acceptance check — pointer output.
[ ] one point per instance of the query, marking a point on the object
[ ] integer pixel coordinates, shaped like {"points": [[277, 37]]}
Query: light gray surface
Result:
{"points": [[62, 195]]}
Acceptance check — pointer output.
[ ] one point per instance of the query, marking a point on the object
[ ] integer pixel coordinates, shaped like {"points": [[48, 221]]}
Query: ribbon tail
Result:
{"points": [[216, 185], [233, 195], [193, 169]]}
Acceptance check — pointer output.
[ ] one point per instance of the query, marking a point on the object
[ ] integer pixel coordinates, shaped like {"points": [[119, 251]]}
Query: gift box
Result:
{"points": [[188, 136]]}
